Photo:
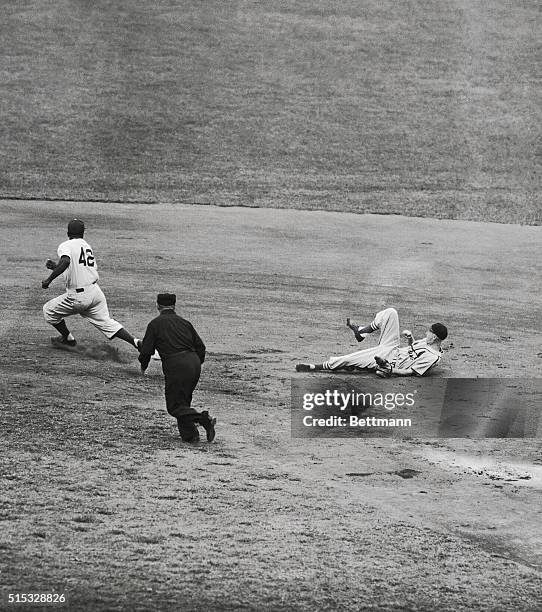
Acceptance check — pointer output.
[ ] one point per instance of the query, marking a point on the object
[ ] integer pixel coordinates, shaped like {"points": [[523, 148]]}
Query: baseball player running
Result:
{"points": [[83, 296], [388, 358]]}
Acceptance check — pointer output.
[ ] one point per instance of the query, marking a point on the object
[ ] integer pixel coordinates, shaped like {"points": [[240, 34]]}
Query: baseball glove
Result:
{"points": [[383, 367]]}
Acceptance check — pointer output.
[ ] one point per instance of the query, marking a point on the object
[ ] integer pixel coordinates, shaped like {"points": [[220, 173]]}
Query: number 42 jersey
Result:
{"points": [[82, 270]]}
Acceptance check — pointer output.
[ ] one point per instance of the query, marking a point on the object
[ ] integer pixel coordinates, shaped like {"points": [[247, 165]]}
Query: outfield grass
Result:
{"points": [[423, 108]]}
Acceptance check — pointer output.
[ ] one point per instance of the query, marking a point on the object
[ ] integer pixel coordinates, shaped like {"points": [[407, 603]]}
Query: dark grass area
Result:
{"points": [[422, 108]]}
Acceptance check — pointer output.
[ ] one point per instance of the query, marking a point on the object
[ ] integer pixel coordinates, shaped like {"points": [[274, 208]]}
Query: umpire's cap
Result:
{"points": [[76, 227], [440, 331], [166, 299]]}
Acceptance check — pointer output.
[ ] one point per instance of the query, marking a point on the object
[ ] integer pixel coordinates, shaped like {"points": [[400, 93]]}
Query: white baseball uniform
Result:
{"points": [[421, 357], [83, 296]]}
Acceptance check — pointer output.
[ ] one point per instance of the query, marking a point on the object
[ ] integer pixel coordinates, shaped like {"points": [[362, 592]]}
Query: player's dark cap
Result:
{"points": [[76, 227], [440, 331], [166, 299]]}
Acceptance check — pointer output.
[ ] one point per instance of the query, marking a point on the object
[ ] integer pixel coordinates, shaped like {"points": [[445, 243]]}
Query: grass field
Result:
{"points": [[421, 108]]}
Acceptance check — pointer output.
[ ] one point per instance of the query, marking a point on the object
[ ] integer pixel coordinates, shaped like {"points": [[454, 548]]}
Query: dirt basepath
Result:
{"points": [[105, 504]]}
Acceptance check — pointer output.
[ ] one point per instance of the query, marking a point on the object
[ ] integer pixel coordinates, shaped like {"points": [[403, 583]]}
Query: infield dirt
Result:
{"points": [[101, 500]]}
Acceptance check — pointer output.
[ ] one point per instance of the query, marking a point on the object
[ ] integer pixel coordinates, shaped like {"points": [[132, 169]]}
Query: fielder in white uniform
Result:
{"points": [[418, 358], [83, 296]]}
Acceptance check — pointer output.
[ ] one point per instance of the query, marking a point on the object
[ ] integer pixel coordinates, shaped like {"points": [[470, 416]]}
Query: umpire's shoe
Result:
{"points": [[208, 424]]}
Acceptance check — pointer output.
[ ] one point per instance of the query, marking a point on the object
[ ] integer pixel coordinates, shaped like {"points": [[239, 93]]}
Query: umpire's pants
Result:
{"points": [[181, 373]]}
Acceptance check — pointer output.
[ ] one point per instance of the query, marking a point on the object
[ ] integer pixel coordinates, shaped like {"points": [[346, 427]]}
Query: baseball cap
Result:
{"points": [[440, 330], [166, 299], [76, 227]]}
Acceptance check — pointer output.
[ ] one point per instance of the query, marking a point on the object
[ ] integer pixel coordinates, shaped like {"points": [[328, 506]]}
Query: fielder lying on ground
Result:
{"points": [[388, 358]]}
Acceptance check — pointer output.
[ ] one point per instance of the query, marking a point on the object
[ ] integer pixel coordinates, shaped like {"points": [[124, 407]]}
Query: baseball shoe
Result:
{"points": [[355, 329], [63, 342], [192, 440], [304, 367], [208, 424]]}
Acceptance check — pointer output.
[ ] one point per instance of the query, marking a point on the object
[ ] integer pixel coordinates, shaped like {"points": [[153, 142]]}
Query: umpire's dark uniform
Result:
{"points": [[182, 352]]}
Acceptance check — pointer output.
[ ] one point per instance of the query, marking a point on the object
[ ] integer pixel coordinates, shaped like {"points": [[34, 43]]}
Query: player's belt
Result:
{"points": [[81, 289]]}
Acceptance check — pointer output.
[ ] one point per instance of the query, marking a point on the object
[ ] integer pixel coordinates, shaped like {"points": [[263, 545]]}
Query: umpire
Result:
{"points": [[182, 352]]}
